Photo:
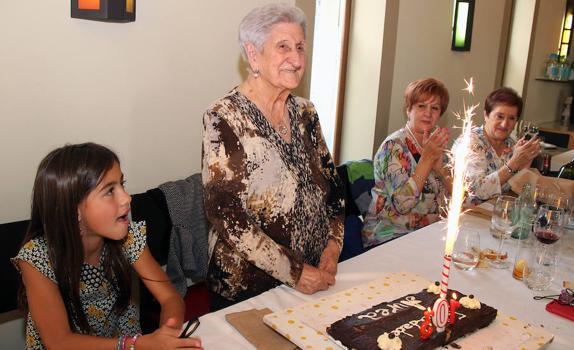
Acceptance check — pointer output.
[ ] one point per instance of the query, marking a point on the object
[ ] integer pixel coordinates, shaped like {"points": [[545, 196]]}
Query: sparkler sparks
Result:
{"points": [[460, 159], [469, 86]]}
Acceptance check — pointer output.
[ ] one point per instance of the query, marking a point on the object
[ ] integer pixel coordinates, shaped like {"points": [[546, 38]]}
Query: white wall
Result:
{"points": [[140, 87]]}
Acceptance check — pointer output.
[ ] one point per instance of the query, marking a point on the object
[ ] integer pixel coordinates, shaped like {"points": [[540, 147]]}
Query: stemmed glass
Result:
{"points": [[548, 225], [504, 221], [548, 228]]}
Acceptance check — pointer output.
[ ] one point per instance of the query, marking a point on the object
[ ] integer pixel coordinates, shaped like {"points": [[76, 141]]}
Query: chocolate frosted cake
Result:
{"points": [[402, 318]]}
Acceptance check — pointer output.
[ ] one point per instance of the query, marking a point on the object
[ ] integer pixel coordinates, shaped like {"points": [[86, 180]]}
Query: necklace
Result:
{"points": [[412, 134], [282, 129]]}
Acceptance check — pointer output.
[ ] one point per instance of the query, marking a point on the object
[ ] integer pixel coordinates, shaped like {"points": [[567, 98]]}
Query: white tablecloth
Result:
{"points": [[419, 252]]}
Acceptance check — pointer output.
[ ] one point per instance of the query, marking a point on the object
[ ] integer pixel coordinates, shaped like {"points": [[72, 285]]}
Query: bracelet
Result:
{"points": [[419, 177], [134, 339], [121, 342], [124, 342], [510, 170]]}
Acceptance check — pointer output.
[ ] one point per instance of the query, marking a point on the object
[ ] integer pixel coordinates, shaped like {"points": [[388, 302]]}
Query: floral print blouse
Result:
{"points": [[482, 170], [398, 205], [273, 205], [97, 294]]}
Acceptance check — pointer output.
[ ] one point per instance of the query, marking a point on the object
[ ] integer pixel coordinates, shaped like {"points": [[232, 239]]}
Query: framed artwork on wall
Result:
{"points": [[105, 10]]}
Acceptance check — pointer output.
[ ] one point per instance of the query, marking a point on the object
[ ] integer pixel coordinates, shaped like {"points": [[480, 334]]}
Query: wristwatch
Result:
{"points": [[510, 170]]}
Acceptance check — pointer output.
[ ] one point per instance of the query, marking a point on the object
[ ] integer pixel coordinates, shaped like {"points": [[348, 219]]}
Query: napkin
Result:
{"points": [[250, 324], [551, 185], [484, 210], [566, 311]]}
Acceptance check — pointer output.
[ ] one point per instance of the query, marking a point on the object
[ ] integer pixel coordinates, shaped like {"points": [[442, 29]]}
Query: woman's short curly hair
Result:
{"points": [[257, 24], [503, 96], [425, 88]]}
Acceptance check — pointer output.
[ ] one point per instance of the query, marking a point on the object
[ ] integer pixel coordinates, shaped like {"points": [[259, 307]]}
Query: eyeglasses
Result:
{"points": [[190, 327], [566, 297]]}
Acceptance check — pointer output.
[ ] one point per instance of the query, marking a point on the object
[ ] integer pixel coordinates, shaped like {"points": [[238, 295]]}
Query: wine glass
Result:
{"points": [[549, 224], [541, 266], [504, 221]]}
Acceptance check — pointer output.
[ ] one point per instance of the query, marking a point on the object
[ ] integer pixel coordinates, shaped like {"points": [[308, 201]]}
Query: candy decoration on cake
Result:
{"points": [[459, 160], [388, 341], [454, 304]]}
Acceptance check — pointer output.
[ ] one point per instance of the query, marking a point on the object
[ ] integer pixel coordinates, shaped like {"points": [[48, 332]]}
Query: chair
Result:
{"points": [[358, 180], [152, 207]]}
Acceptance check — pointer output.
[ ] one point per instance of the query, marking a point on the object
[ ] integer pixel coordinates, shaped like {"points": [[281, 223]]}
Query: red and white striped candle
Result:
{"points": [[445, 275]]}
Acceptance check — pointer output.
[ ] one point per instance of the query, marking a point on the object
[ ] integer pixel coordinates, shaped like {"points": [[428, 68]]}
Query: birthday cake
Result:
{"points": [[396, 324]]}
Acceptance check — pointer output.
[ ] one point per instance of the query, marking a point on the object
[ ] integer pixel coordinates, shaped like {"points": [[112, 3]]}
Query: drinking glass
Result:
{"points": [[540, 266], [524, 129], [466, 253], [504, 221], [563, 201]]}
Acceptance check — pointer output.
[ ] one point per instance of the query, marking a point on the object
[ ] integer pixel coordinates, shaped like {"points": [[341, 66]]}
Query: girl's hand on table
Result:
{"points": [[167, 337]]}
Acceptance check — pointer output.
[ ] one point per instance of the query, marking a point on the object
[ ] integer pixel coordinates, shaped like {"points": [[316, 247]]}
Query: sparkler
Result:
{"points": [[460, 159], [469, 86]]}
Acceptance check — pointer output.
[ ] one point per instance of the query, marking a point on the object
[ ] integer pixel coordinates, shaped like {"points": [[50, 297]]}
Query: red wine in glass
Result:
{"points": [[546, 237]]}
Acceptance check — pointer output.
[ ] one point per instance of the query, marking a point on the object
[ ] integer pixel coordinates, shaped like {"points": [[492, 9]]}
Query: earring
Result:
{"points": [[255, 73]]}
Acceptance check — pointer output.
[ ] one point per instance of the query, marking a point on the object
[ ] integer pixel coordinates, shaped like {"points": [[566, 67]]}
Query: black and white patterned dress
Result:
{"points": [[96, 293], [273, 205]]}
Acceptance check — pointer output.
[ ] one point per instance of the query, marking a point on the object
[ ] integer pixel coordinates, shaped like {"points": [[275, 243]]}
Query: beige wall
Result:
{"points": [[423, 37], [543, 99], [363, 74], [517, 58], [140, 88]]}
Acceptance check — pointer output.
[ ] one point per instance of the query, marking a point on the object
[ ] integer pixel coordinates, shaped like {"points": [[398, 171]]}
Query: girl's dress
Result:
{"points": [[97, 294]]}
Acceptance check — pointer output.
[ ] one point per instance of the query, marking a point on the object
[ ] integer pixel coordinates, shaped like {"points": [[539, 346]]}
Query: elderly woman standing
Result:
{"points": [[495, 155], [411, 180], [271, 190]]}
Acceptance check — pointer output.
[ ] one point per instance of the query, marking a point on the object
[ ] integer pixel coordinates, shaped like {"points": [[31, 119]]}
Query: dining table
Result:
{"points": [[421, 252]]}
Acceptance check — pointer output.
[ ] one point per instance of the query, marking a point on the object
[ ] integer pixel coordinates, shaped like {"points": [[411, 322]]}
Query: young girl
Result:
{"points": [[75, 263]]}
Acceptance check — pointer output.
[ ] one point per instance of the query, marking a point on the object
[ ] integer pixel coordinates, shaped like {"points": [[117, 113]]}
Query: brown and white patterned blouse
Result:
{"points": [[273, 205]]}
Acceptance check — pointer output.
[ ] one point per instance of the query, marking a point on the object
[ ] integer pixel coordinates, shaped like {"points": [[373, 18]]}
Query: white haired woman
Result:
{"points": [[271, 191]]}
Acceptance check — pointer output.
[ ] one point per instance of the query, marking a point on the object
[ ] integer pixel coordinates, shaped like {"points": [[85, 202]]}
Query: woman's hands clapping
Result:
{"points": [[434, 145], [524, 153]]}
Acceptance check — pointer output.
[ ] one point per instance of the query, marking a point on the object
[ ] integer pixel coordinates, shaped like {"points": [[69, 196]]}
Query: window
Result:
{"points": [[566, 35], [328, 68]]}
